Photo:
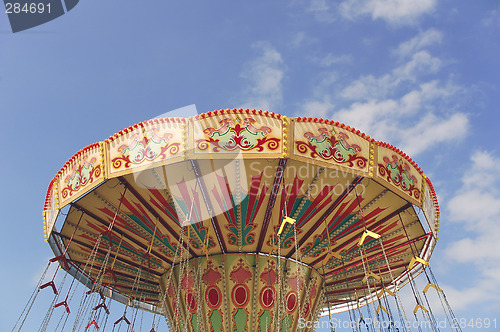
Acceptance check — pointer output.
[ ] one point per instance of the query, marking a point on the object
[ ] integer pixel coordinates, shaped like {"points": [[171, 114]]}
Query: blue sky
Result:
{"points": [[421, 75]]}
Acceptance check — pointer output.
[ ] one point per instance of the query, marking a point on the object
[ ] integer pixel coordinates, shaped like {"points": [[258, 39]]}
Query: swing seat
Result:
{"points": [[124, 319], [419, 306], [416, 260], [147, 256], [381, 307], [285, 220], [109, 234], [96, 291], [329, 256], [370, 274], [65, 304], [383, 291], [93, 322], [102, 305], [51, 284], [430, 284], [365, 234], [62, 260], [112, 273]]}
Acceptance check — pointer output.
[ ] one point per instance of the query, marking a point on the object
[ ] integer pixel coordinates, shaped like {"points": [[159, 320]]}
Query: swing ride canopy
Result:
{"points": [[235, 218]]}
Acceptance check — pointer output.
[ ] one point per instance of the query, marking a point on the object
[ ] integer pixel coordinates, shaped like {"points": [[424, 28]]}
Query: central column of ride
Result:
{"points": [[240, 292]]}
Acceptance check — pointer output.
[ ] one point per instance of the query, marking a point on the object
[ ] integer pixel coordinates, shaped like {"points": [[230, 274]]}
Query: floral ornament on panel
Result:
{"points": [[316, 247], [240, 273], [142, 148], [213, 295], [250, 207], [331, 145], [269, 278], [397, 171], [240, 295], [82, 174], [292, 297], [287, 239], [241, 134]]}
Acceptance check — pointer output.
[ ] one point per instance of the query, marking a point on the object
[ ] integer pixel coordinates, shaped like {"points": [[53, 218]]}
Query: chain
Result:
{"points": [[31, 301], [278, 297], [361, 252], [239, 217], [46, 320], [299, 269], [82, 306]]}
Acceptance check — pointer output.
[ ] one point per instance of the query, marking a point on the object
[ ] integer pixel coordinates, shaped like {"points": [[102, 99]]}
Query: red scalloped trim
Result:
{"points": [[141, 124], [434, 196], [76, 155], [337, 124], [49, 191], [69, 162], [393, 148], [241, 111], [236, 111]]}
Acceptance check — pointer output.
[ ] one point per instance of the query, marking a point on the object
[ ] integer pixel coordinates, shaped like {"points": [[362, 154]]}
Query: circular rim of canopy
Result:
{"points": [[317, 143]]}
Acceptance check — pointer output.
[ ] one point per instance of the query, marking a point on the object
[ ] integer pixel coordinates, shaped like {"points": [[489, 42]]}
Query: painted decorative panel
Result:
{"points": [[430, 206], [146, 143], [50, 209], [332, 144], [239, 211], [400, 172], [81, 173], [240, 292], [238, 131]]}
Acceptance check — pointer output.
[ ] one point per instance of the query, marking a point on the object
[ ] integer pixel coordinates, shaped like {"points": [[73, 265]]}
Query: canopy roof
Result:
{"points": [[228, 179]]}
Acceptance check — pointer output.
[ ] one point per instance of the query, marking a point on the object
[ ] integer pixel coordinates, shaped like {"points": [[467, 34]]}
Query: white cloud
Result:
{"points": [[477, 203], [302, 39], [422, 40], [492, 19], [476, 207], [421, 63], [321, 10], [370, 87], [299, 39], [431, 130], [265, 74], [320, 109], [372, 117], [402, 106], [331, 59], [393, 11], [385, 121], [463, 298], [379, 108]]}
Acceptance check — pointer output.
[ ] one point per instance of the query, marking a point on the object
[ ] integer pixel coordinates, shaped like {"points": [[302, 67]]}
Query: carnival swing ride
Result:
{"points": [[239, 220]]}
